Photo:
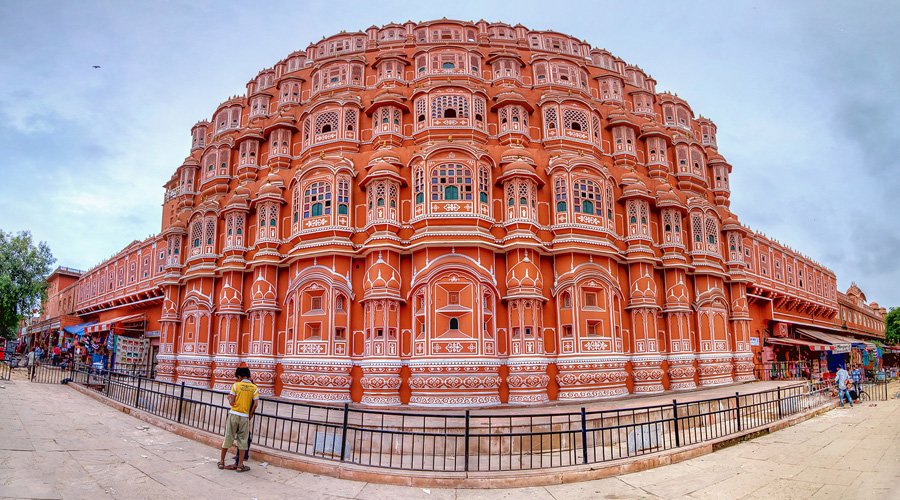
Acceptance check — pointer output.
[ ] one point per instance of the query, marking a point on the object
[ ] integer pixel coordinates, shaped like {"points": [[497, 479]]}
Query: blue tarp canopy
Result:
{"points": [[78, 329]]}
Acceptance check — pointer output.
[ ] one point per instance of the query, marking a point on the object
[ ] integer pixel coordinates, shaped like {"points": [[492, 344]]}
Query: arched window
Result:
{"points": [[561, 194], [451, 182], [343, 195], [454, 323], [317, 199], [587, 196], [420, 185], [575, 119], [484, 184], [449, 106], [196, 233]]}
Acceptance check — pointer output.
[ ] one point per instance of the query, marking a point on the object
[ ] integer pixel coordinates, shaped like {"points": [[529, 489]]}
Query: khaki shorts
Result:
{"points": [[237, 431]]}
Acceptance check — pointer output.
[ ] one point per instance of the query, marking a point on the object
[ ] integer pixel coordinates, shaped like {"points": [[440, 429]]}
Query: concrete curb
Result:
{"points": [[517, 479]]}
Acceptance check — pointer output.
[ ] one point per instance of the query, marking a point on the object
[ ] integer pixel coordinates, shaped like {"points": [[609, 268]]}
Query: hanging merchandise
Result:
{"points": [[131, 353]]}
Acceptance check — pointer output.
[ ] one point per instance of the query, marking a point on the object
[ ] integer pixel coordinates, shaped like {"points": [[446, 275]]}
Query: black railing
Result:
{"points": [[469, 441]]}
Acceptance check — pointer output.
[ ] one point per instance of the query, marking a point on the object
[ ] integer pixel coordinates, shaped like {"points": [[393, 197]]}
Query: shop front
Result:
{"points": [[789, 358], [115, 344], [847, 352]]}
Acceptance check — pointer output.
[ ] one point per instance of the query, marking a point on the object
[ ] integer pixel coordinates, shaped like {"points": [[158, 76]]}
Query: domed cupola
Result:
{"points": [[382, 279], [524, 278]]}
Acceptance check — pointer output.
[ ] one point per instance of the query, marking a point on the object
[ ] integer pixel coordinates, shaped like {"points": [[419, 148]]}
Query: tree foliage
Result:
{"points": [[892, 326], [24, 268]]}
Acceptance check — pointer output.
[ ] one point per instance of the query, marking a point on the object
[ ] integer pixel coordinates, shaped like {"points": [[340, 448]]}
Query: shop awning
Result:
{"points": [[812, 346], [109, 324], [78, 330], [891, 348], [840, 344]]}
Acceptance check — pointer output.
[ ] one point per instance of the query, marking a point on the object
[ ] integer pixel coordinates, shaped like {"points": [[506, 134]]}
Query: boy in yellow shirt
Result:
{"points": [[243, 399]]}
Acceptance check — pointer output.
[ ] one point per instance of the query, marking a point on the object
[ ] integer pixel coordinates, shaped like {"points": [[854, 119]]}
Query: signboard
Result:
{"points": [[754, 341]]}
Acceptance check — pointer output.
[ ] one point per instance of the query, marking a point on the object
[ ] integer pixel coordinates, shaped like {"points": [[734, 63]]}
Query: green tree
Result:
{"points": [[24, 268], [892, 326]]}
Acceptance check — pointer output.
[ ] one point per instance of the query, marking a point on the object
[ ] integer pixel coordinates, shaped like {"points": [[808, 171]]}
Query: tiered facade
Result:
{"points": [[460, 214]]}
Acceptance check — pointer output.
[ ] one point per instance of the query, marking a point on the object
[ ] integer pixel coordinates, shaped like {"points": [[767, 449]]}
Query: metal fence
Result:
{"points": [[464, 441]]}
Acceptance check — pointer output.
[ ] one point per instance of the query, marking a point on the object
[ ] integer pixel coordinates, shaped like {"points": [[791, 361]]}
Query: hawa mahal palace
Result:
{"points": [[458, 214]]}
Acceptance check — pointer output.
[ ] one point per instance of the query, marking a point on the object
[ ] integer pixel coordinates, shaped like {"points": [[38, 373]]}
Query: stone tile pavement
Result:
{"points": [[57, 443]]}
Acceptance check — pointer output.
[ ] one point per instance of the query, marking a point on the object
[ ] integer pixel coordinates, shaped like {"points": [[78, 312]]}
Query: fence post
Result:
{"points": [[137, 393], [780, 416], [180, 402], [675, 419], [108, 378], [737, 401], [584, 455], [466, 450], [344, 431], [33, 370]]}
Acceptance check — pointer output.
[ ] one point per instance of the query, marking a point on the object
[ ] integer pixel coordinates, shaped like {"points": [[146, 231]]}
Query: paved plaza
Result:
{"points": [[57, 443]]}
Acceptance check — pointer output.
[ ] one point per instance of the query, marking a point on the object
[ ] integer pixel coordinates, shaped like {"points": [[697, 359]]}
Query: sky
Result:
{"points": [[805, 95]]}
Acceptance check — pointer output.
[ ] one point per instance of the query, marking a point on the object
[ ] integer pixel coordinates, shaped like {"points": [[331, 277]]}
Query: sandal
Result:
{"points": [[242, 468], [221, 465]]}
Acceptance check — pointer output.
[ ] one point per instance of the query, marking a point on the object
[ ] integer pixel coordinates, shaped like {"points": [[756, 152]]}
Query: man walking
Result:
{"points": [[841, 380], [243, 398]]}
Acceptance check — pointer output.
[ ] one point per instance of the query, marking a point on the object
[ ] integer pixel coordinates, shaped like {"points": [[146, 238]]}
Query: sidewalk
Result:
{"points": [[57, 443]]}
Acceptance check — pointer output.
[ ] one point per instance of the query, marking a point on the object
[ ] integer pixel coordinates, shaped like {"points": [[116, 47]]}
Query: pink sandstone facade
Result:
{"points": [[458, 214]]}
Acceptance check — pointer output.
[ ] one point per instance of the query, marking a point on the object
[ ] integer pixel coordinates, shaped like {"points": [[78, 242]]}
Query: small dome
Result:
{"points": [[388, 155], [262, 290], [517, 154], [666, 197], [381, 278], [525, 274]]}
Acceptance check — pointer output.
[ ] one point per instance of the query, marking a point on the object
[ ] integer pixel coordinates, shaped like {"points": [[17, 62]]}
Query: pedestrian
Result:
{"points": [[30, 358], [841, 380], [242, 398], [38, 352], [56, 353]]}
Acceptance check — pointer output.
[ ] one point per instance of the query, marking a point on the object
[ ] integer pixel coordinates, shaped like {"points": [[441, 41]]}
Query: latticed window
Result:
{"points": [[268, 221], [290, 93], [326, 122], [712, 234], [295, 209], [479, 107], [343, 196], [698, 162], [420, 185], [350, 116], [561, 195], [575, 119], [624, 140], [449, 106], [317, 199], [656, 151], [451, 182], [540, 72], [281, 143], [248, 152], [643, 103], [587, 197], [209, 234], [611, 89], [420, 112], [259, 106], [681, 153], [550, 121], [672, 227], [484, 184], [669, 114]]}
